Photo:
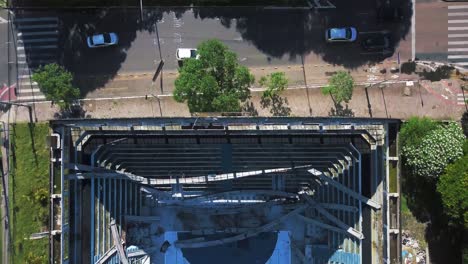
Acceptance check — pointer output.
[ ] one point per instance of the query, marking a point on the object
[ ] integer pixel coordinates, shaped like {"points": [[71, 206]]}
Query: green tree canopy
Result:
{"points": [[340, 87], [215, 82], [434, 151], [56, 84], [275, 83], [453, 188], [414, 129]]}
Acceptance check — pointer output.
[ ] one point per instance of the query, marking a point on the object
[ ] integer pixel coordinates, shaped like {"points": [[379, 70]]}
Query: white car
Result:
{"points": [[102, 40], [183, 54], [346, 34]]}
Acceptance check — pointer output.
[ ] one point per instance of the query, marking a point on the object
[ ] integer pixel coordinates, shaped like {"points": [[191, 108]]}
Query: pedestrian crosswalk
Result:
{"points": [[462, 98], [37, 44], [458, 35]]}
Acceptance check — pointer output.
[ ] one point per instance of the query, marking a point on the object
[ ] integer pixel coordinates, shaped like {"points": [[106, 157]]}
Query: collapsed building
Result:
{"points": [[224, 190]]}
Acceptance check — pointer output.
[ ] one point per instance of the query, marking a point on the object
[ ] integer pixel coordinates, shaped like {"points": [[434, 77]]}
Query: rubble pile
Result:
{"points": [[412, 252]]}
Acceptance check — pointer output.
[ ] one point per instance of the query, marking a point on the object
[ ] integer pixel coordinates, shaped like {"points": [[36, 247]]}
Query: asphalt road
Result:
{"points": [[259, 36]]}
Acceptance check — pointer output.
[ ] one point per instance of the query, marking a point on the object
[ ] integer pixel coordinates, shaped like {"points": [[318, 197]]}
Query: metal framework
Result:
{"points": [[142, 172]]}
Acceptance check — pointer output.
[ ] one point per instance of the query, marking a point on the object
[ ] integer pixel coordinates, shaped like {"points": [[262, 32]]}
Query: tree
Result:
{"points": [[56, 84], [275, 84], [464, 122], [340, 87], [215, 82], [453, 186], [434, 151], [414, 129]]}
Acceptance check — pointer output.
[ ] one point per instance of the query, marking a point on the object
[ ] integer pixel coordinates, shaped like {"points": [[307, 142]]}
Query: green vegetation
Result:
{"points": [[433, 149], [453, 188], [464, 122], [56, 84], [275, 83], [215, 82], [29, 181], [411, 224], [434, 185], [340, 87], [392, 171]]}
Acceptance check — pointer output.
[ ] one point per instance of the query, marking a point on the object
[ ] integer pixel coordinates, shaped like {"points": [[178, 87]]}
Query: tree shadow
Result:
{"points": [[339, 111], [278, 105], [31, 127], [282, 34], [75, 111], [249, 108], [292, 33]]}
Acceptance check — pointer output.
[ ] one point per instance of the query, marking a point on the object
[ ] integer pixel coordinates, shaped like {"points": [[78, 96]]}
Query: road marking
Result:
{"points": [[24, 34], [457, 28], [457, 42], [3, 21], [461, 63], [28, 83], [457, 35], [37, 26], [458, 14], [37, 40], [28, 90], [29, 98], [34, 19], [458, 49], [458, 21], [458, 7], [457, 56], [39, 47]]}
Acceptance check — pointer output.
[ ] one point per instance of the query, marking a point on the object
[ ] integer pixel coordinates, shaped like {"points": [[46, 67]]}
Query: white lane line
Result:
{"points": [[461, 63], [458, 14], [37, 40], [458, 7], [28, 83], [29, 98], [458, 21], [19, 48], [39, 47], [458, 49], [37, 26], [33, 19], [457, 56], [25, 34], [457, 42], [28, 90], [457, 28], [457, 35], [3, 21]]}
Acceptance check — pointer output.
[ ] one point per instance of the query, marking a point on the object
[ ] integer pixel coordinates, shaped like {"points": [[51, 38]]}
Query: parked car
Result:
{"points": [[376, 42], [102, 40], [389, 14], [183, 53], [345, 34]]}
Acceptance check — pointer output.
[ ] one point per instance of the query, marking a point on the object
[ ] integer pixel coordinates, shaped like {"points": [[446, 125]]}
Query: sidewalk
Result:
{"points": [[314, 76], [374, 102]]}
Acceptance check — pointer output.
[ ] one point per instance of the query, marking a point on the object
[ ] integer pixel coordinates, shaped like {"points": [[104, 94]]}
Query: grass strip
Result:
{"points": [[29, 192]]}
